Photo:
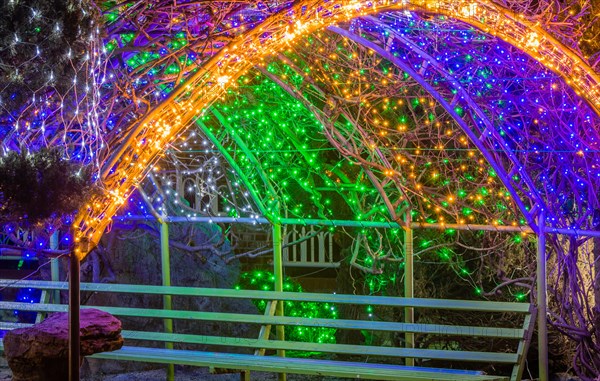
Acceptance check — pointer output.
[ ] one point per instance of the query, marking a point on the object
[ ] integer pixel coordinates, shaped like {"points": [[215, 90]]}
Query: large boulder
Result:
{"points": [[40, 352]]}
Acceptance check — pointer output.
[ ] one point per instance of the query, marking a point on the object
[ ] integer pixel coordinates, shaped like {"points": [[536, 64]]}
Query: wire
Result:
{"points": [[32, 273]]}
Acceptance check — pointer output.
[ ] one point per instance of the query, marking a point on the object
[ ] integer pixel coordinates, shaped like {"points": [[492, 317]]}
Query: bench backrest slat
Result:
{"points": [[446, 304], [453, 330], [7, 325], [522, 334]]}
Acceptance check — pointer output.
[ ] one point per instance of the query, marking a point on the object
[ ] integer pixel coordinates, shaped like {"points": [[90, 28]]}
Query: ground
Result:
{"points": [[181, 374], [202, 374], [195, 374]]}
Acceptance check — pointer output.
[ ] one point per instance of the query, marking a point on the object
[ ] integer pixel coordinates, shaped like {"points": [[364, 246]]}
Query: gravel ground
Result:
{"points": [[202, 374]]}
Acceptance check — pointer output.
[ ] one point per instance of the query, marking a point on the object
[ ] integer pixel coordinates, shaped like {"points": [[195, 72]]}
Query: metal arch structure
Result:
{"points": [[498, 144], [328, 123], [491, 128], [137, 127], [505, 178], [146, 140], [395, 208], [506, 149]]}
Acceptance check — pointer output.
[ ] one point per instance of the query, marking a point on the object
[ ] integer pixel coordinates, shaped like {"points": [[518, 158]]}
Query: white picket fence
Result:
{"points": [[316, 251]]}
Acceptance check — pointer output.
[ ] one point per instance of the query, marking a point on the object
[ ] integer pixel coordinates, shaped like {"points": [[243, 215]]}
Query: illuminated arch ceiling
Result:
{"points": [[506, 103]]}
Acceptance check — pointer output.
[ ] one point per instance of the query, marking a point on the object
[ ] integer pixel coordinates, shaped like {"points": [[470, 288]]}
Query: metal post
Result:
{"points": [[74, 302], [278, 272], [541, 299], [54, 267], [409, 312], [166, 281]]}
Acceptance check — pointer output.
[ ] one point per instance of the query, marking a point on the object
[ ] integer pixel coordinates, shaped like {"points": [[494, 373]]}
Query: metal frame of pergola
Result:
{"points": [[146, 134]]}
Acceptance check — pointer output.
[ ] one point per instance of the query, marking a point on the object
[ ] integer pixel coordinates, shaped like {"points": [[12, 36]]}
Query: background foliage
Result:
{"points": [[35, 187]]}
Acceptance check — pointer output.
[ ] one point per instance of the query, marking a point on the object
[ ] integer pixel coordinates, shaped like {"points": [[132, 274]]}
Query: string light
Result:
{"points": [[264, 281], [459, 134], [251, 47]]}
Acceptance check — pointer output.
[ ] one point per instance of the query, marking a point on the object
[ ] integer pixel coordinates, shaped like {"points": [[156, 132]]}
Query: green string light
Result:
{"points": [[265, 281]]}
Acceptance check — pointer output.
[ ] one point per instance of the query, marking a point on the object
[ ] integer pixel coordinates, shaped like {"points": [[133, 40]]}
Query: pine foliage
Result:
{"points": [[39, 186]]}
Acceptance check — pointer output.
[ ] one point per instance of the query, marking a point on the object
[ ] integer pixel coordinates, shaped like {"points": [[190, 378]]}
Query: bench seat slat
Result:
{"points": [[434, 354], [509, 333], [446, 304], [293, 365]]}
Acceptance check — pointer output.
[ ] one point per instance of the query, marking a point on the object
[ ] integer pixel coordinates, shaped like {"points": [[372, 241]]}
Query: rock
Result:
{"points": [[40, 352]]}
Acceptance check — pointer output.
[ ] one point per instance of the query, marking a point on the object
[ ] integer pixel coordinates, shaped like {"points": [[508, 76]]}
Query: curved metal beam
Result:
{"points": [[296, 143], [146, 141], [526, 35], [329, 122], [473, 109], [234, 135], [502, 175], [253, 192]]}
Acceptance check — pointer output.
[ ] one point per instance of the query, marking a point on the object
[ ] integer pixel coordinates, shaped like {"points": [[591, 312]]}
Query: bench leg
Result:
{"points": [[245, 375]]}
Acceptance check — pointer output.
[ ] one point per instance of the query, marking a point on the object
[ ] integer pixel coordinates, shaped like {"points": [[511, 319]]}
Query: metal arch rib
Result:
{"points": [[235, 166], [462, 124], [473, 108], [318, 115]]}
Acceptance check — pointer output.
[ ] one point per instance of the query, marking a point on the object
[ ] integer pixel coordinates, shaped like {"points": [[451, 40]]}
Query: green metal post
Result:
{"points": [[166, 281], [541, 299], [54, 267], [237, 169], [278, 271], [409, 312]]}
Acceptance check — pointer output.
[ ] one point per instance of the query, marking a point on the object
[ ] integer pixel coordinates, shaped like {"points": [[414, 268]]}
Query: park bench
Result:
{"points": [[377, 361]]}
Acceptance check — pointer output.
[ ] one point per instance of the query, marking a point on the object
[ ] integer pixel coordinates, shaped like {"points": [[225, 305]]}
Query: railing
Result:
{"points": [[302, 246]]}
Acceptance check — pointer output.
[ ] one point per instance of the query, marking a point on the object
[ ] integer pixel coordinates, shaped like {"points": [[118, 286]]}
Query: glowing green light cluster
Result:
{"points": [[278, 129], [264, 281], [279, 143]]}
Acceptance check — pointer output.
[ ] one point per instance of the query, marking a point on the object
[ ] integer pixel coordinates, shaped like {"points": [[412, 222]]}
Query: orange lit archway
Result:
{"points": [[147, 139]]}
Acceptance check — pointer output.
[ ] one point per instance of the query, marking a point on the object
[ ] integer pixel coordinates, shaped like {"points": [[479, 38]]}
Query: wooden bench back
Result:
{"points": [[519, 335]]}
